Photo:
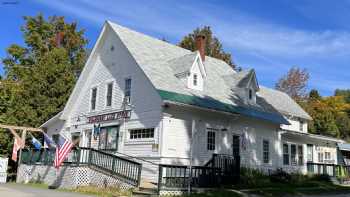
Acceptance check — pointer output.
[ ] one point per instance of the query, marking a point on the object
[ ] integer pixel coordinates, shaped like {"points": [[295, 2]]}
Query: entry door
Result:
{"points": [[86, 142], [235, 145]]}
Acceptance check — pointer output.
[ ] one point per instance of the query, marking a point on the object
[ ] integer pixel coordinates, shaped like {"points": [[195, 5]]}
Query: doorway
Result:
{"points": [[86, 138], [235, 145]]}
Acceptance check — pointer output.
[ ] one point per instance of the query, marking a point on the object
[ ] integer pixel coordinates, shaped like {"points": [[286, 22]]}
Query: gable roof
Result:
{"points": [[161, 61]]}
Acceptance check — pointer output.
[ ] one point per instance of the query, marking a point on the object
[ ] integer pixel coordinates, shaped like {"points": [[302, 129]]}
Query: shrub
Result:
{"points": [[280, 176]]}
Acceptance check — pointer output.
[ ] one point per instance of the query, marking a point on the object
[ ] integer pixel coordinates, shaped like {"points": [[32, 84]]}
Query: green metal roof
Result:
{"points": [[210, 103]]}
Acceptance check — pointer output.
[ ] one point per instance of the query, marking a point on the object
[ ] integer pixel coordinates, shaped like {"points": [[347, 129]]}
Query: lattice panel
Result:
{"points": [[102, 180], [171, 193], [82, 176]]}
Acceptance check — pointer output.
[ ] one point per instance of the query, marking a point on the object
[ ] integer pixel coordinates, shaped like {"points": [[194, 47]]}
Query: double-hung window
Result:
{"points": [[285, 154], [320, 157], [310, 152], [266, 151], [327, 156], [127, 90], [109, 94], [195, 79], [93, 98], [300, 155], [293, 154], [211, 139], [142, 133]]}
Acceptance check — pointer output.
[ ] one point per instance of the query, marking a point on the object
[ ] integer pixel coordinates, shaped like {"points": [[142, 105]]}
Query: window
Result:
{"points": [[285, 154], [250, 94], [195, 79], [327, 156], [266, 151], [211, 140], [108, 138], [320, 157], [310, 154], [293, 154], [127, 90], [141, 133], [93, 98], [301, 125], [109, 94], [300, 155]]}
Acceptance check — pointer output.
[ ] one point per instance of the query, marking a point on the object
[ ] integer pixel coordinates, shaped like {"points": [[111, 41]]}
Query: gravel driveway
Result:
{"points": [[18, 190]]}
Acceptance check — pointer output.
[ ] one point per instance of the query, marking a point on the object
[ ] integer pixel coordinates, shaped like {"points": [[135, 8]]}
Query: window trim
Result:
{"points": [[111, 96], [310, 147], [268, 161], [141, 138], [127, 99], [211, 145], [195, 79], [295, 161], [106, 137], [96, 98], [286, 154], [300, 156]]}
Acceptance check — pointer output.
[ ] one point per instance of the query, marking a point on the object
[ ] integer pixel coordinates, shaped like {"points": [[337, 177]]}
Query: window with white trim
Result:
{"points": [[285, 154], [310, 153], [109, 94], [250, 92], [211, 139], [293, 154], [320, 157], [327, 156], [195, 79], [266, 151], [300, 155], [142, 133], [127, 90], [93, 98], [301, 125]]}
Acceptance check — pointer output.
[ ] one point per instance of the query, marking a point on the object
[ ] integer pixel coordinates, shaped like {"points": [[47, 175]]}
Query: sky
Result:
{"points": [[269, 36]]}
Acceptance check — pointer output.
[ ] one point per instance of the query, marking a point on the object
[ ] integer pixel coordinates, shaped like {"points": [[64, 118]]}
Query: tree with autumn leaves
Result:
{"points": [[331, 115]]}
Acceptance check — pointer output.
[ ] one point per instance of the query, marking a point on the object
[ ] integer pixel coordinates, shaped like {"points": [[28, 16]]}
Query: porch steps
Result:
{"points": [[146, 188]]}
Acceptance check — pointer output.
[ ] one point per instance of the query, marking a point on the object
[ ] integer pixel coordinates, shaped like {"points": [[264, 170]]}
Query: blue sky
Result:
{"points": [[269, 36]]}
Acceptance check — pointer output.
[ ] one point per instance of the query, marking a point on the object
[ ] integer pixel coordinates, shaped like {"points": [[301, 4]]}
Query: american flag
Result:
{"points": [[63, 147], [17, 144]]}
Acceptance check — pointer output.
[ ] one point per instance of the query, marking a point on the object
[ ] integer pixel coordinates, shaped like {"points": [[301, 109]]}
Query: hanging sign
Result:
{"points": [[3, 169], [110, 116]]}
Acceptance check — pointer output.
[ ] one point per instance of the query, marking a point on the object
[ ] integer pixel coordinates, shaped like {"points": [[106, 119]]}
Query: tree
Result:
{"points": [[344, 93], [41, 74], [314, 95], [213, 46], [294, 83]]}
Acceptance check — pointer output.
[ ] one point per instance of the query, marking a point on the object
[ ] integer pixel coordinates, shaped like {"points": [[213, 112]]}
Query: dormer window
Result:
{"points": [[250, 94], [195, 79]]}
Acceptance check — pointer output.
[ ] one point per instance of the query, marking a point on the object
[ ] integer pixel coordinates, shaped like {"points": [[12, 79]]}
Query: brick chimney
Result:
{"points": [[200, 44]]}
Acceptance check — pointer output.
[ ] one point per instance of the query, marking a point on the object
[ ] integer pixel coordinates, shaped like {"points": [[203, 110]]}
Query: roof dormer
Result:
{"points": [[196, 74]]}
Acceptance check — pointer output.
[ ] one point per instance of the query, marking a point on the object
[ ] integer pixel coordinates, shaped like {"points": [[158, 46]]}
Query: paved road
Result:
{"points": [[18, 190]]}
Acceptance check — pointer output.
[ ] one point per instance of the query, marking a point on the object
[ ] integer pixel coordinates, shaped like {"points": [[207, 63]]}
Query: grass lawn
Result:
{"points": [[215, 193], [312, 187]]}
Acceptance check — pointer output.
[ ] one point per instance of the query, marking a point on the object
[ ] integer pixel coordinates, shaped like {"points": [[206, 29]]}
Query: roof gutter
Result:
{"points": [[321, 137]]}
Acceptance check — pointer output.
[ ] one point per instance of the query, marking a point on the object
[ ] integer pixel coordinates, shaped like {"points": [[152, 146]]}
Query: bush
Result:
{"points": [[253, 178], [280, 176]]}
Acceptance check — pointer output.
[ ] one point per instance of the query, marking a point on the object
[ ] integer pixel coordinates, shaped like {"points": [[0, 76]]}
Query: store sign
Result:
{"points": [[111, 116]]}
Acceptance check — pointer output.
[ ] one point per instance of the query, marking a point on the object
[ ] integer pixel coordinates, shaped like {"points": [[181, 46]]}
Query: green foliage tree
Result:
{"points": [[344, 93], [41, 74], [213, 46]]}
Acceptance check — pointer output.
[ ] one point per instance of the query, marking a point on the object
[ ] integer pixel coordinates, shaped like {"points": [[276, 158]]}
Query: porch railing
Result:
{"points": [[178, 177], [333, 170], [123, 168], [229, 166]]}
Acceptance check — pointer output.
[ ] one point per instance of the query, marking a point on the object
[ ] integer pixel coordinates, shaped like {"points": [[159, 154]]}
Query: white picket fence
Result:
{"points": [[3, 169]]}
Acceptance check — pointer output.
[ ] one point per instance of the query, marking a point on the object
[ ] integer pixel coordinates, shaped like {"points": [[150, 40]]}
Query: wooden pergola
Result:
{"points": [[24, 130]]}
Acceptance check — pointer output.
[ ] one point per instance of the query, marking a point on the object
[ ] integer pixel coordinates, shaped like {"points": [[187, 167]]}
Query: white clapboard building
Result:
{"points": [[146, 98]]}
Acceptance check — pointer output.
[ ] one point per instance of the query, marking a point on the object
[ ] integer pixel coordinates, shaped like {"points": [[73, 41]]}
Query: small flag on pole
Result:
{"points": [[63, 147], [48, 141], [37, 145], [17, 144]]}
